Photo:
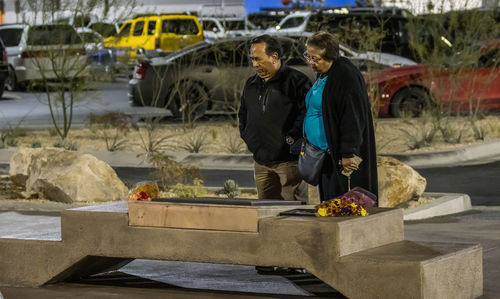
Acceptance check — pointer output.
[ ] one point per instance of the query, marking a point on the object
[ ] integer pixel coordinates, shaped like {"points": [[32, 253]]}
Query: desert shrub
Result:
{"points": [[67, 144], [36, 144], [113, 127], [234, 144], [421, 131], [231, 189], [151, 141], [195, 142], [52, 132], [190, 191], [169, 172]]}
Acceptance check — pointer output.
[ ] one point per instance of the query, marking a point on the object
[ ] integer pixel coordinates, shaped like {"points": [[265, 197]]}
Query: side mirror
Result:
{"points": [[215, 29]]}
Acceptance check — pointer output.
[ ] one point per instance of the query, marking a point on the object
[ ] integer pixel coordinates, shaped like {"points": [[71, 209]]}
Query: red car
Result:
{"points": [[460, 88]]}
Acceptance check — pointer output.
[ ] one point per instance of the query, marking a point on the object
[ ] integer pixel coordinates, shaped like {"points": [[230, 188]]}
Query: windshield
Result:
{"points": [[179, 27], [292, 22], [11, 36], [235, 25]]}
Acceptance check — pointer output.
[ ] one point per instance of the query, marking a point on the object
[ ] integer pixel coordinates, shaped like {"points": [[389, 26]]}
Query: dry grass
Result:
{"points": [[220, 137]]}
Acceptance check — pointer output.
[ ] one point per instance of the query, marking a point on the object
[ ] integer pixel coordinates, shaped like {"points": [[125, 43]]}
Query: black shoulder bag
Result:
{"points": [[311, 162]]}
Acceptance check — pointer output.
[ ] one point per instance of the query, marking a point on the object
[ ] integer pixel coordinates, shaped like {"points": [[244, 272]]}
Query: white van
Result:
{"points": [[217, 28], [293, 23], [31, 53]]}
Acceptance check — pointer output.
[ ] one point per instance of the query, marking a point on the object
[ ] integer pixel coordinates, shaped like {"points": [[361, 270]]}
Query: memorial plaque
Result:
{"points": [[206, 213]]}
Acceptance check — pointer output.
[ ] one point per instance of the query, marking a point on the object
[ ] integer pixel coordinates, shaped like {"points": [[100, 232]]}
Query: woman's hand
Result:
{"points": [[350, 164]]}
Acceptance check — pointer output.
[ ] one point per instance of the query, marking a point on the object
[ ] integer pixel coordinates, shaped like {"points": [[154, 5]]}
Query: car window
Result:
{"points": [[11, 36], [90, 37], [179, 27], [125, 31], [292, 22], [151, 27], [138, 28], [52, 35], [104, 29], [235, 25], [490, 59], [210, 26]]}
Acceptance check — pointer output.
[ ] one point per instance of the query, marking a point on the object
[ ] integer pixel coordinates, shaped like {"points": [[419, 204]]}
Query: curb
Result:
{"points": [[465, 155], [444, 204]]}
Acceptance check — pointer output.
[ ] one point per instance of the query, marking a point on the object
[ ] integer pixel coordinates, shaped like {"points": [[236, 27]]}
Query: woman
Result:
{"points": [[339, 120]]}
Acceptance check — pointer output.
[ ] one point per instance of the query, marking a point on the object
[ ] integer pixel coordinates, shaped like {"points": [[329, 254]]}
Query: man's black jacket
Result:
{"points": [[272, 110]]}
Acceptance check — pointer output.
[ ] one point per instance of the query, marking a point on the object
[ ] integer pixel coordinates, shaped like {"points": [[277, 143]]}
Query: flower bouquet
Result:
{"points": [[143, 191], [353, 203]]}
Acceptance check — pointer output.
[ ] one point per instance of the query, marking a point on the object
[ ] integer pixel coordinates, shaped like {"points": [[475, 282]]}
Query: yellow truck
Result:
{"points": [[164, 32]]}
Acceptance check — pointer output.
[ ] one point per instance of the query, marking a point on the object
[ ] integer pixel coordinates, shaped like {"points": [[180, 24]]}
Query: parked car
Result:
{"points": [[104, 27], [266, 19], [34, 50], [349, 22], [217, 28], [165, 32], [4, 67], [100, 59], [457, 87], [364, 60], [208, 76]]}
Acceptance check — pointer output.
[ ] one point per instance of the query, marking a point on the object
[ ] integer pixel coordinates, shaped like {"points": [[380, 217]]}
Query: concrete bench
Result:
{"points": [[361, 257]]}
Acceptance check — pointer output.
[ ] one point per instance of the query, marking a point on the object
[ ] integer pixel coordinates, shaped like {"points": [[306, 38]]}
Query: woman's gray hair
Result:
{"points": [[325, 40]]}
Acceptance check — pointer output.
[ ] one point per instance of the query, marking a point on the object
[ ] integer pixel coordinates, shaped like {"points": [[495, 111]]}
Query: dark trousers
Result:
{"points": [[332, 183]]}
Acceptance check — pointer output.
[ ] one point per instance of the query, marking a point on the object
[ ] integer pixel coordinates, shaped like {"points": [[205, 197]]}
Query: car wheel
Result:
{"points": [[11, 83], [410, 101], [189, 101], [2, 87]]}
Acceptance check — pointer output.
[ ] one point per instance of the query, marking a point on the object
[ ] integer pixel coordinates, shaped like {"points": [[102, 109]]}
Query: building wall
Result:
{"points": [[421, 6], [228, 7]]}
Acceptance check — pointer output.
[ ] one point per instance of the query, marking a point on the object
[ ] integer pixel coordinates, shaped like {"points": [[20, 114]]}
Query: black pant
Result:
{"points": [[332, 183]]}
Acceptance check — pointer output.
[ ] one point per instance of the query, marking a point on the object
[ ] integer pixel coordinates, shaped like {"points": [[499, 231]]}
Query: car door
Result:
{"points": [[469, 86], [228, 70]]}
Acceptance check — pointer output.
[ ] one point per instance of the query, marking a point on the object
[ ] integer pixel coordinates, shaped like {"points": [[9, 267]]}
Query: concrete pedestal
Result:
{"points": [[362, 257]]}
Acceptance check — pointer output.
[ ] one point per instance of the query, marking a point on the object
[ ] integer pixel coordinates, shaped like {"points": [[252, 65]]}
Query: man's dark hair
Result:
{"points": [[325, 40], [273, 45]]}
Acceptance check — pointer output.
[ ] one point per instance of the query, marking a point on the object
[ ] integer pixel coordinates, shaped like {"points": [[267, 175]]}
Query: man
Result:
{"points": [[270, 120], [339, 120]]}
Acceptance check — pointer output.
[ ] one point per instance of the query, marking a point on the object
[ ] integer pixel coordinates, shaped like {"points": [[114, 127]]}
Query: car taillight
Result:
{"points": [[53, 53], [5, 57], [32, 54], [140, 71], [157, 43]]}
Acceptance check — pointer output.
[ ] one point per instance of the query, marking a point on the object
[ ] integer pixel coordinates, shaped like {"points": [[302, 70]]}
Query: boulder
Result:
{"points": [[397, 182], [65, 176]]}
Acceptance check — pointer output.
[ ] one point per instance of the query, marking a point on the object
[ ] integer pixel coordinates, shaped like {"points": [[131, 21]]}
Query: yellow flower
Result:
{"points": [[322, 211], [363, 212]]}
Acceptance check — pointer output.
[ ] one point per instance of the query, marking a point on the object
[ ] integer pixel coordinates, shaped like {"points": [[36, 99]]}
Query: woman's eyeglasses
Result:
{"points": [[311, 58]]}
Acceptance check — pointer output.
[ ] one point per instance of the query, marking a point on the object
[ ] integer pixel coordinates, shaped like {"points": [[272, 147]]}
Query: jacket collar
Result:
{"points": [[257, 80]]}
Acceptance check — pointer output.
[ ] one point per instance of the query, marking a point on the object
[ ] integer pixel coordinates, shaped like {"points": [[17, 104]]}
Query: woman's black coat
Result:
{"points": [[348, 122]]}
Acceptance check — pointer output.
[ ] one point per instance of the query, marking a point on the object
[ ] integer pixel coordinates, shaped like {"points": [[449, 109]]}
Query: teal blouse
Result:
{"points": [[313, 127]]}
